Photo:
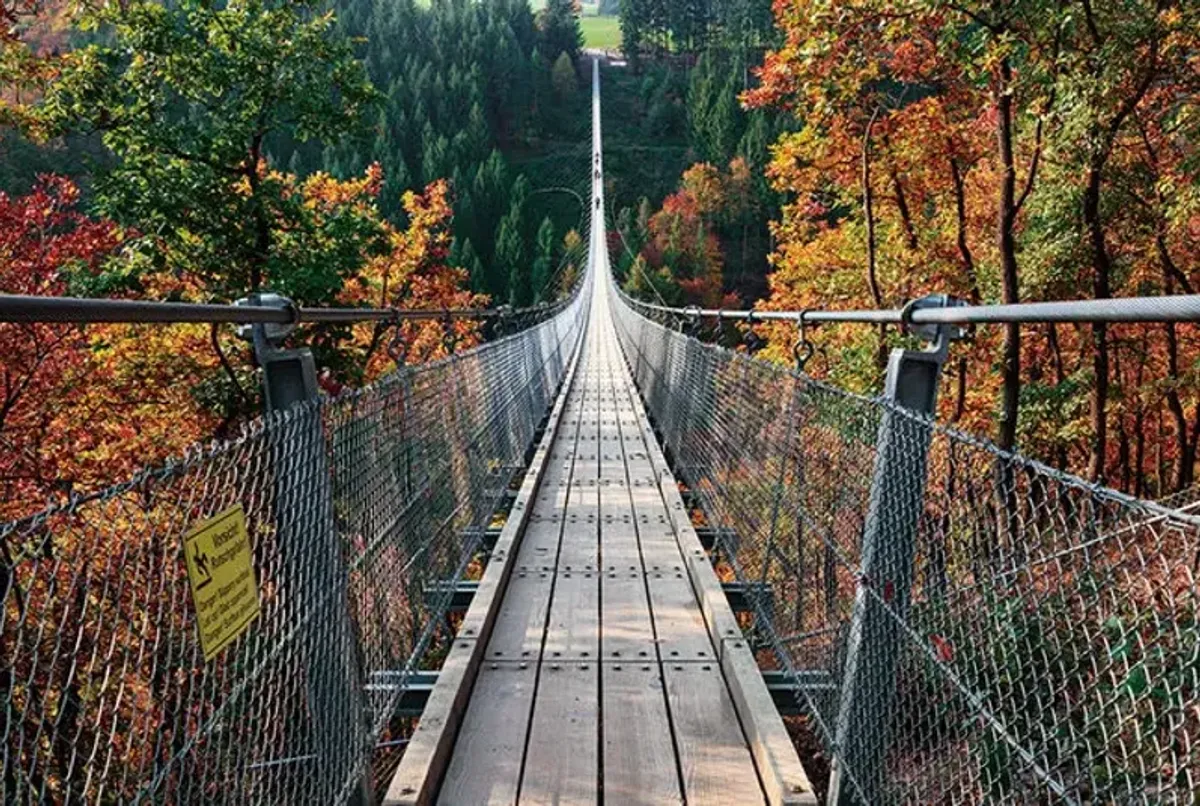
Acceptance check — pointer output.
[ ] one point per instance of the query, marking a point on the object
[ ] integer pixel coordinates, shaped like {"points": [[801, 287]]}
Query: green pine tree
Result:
{"points": [[543, 262], [510, 260], [559, 31]]}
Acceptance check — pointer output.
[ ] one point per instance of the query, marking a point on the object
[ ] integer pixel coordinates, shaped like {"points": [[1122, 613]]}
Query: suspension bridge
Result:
{"points": [[600, 561]]}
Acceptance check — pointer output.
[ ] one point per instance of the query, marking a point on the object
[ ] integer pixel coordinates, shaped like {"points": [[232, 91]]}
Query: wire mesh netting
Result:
{"points": [[1037, 641], [356, 507]]}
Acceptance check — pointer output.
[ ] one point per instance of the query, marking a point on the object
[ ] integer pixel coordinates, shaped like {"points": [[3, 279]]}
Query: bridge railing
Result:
{"points": [[965, 625], [355, 508]]}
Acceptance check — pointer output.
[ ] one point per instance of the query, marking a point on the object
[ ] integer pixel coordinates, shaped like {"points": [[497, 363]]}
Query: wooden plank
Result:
{"points": [[655, 520], [713, 757], [580, 547], [583, 511], [621, 555], [429, 750], [573, 633], [539, 546], [554, 492], [660, 553], [678, 621], [626, 632], [646, 500], [562, 761], [619, 542], [783, 777], [486, 765], [521, 622], [639, 757], [615, 511]]}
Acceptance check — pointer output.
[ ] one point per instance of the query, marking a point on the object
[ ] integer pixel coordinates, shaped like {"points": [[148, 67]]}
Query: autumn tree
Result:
{"points": [[413, 272], [187, 96], [999, 152], [679, 256], [43, 240]]}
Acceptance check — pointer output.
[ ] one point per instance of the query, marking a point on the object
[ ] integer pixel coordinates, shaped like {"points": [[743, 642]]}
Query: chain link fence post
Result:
{"points": [[316, 577], [874, 643]]}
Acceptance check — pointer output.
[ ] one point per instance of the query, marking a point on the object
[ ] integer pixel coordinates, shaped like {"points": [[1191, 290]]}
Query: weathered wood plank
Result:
{"points": [[521, 622], [626, 632], [713, 756], [428, 753], [639, 756], [783, 778], [431, 749], [486, 765], [573, 633], [562, 765], [678, 621], [580, 547], [540, 543]]}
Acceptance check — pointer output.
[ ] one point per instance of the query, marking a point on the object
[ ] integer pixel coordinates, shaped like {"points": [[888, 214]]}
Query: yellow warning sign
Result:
{"points": [[221, 570]]}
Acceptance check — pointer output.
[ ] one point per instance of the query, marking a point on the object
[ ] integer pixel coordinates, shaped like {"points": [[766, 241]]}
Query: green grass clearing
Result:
{"points": [[598, 32], [601, 32]]}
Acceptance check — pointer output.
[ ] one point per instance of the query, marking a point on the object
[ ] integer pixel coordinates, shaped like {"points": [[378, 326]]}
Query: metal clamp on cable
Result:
{"points": [[753, 341], [397, 349], [289, 376], [912, 376], [503, 320], [803, 349], [939, 335], [273, 332], [449, 337], [716, 331]]}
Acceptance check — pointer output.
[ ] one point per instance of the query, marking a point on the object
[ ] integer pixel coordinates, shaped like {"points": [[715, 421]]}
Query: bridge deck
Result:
{"points": [[599, 661], [600, 671]]}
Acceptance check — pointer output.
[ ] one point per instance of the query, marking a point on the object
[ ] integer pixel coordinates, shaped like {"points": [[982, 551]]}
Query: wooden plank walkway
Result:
{"points": [[600, 674], [599, 662]]}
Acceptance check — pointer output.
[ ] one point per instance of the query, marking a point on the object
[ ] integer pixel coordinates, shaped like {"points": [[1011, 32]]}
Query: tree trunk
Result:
{"points": [[869, 215], [1060, 377], [262, 226], [1184, 457], [1101, 260], [910, 233], [872, 252], [1006, 240], [1124, 452], [964, 248], [1180, 478], [1139, 423], [1101, 272]]}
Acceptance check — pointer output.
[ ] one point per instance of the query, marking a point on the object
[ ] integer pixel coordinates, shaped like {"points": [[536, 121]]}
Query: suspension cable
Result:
{"points": [[1175, 308], [18, 308]]}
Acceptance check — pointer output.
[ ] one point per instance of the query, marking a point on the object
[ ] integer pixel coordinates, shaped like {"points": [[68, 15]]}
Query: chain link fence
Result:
{"points": [[965, 625], [356, 507]]}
